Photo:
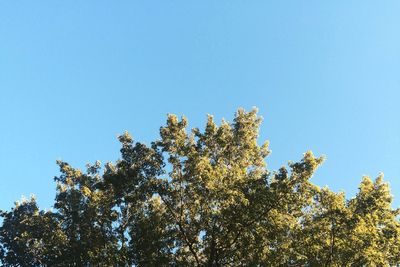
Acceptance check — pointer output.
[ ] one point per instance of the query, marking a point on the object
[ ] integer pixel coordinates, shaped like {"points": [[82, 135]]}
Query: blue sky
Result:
{"points": [[75, 74]]}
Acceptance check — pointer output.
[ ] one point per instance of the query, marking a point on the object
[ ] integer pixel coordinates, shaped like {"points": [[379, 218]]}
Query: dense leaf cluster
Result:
{"points": [[202, 198]]}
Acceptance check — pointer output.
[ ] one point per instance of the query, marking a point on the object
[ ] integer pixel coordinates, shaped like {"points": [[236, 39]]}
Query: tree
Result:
{"points": [[202, 198], [30, 237], [374, 227]]}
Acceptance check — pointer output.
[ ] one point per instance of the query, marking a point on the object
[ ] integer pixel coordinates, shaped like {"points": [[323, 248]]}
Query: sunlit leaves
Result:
{"points": [[202, 197]]}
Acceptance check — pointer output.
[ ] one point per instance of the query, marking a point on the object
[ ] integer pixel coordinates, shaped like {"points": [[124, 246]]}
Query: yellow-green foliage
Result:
{"points": [[202, 198]]}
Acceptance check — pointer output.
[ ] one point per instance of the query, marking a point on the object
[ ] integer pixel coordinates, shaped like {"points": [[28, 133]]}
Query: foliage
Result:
{"points": [[202, 198]]}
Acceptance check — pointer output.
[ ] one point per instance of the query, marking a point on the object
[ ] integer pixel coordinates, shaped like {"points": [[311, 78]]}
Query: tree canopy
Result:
{"points": [[202, 198]]}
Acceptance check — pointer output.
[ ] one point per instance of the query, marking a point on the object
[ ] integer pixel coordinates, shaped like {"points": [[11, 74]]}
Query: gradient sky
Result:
{"points": [[325, 76]]}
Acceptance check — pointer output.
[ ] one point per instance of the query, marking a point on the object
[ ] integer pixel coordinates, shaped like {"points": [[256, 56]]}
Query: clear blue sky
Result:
{"points": [[325, 76]]}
